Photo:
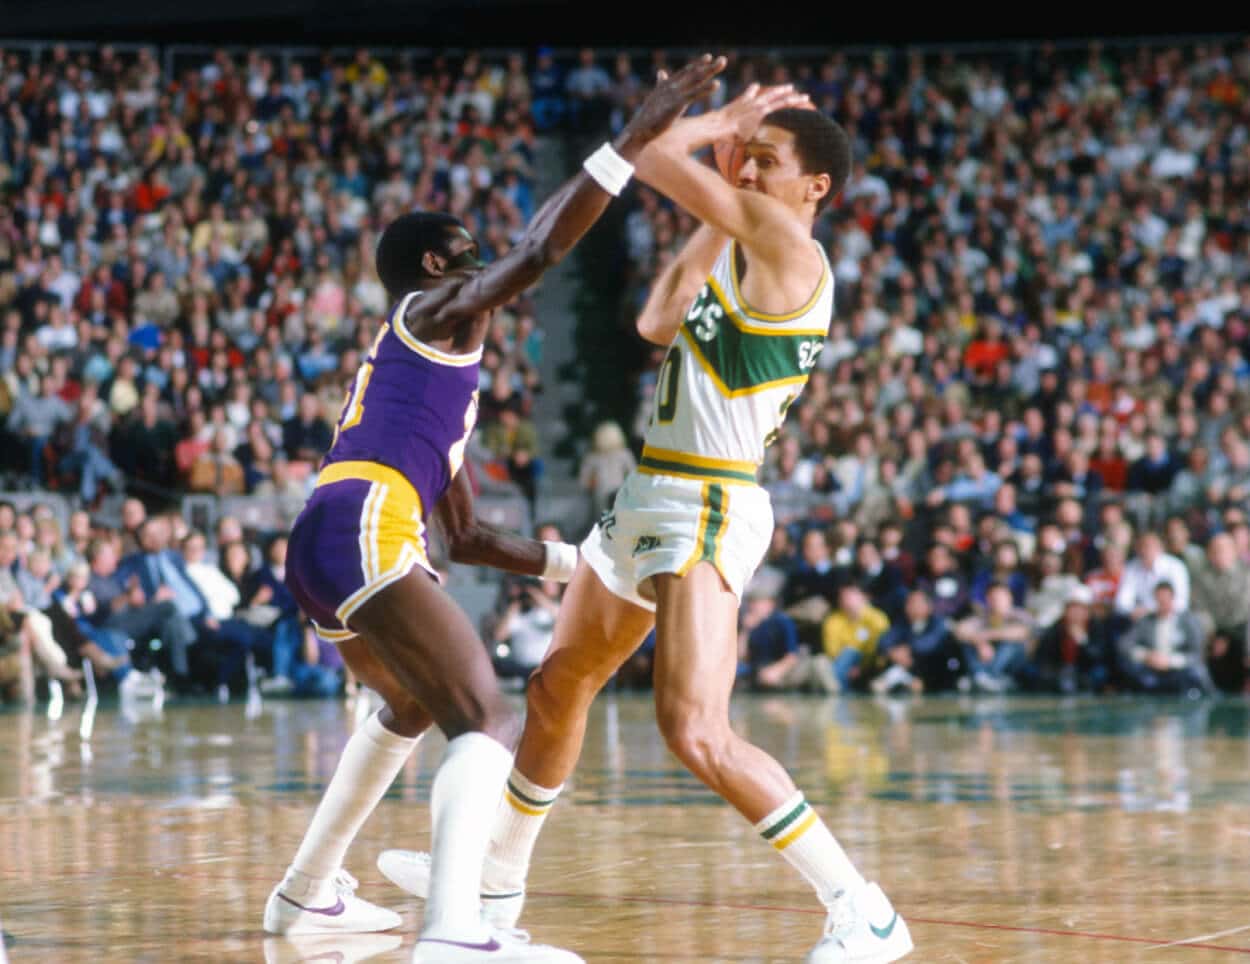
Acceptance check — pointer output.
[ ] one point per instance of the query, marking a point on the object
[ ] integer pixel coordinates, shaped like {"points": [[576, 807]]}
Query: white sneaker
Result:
{"points": [[863, 928], [276, 686], [988, 683], [896, 677], [348, 914], [341, 948], [409, 870], [501, 946]]}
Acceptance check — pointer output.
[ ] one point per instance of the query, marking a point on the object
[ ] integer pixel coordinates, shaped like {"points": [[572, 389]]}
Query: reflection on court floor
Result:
{"points": [[1004, 830]]}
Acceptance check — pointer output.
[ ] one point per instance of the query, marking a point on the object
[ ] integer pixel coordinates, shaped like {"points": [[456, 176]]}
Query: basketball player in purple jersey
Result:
{"points": [[358, 566]]}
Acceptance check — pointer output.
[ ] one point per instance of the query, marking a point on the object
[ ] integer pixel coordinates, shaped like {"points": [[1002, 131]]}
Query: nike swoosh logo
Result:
{"points": [[490, 945], [884, 932], [334, 911]]}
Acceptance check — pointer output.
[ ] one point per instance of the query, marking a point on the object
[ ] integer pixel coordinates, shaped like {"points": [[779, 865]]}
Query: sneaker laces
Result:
{"points": [[842, 916]]}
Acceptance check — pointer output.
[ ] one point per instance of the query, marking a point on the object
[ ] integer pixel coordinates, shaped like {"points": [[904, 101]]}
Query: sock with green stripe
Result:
{"points": [[801, 836], [522, 812]]}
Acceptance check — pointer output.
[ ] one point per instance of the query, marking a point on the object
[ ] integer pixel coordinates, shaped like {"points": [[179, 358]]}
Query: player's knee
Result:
{"points": [[474, 712], [551, 696], [700, 743], [406, 718]]}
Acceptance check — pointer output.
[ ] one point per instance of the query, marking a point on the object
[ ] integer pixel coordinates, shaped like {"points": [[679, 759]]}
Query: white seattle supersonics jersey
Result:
{"points": [[723, 392], [729, 377]]}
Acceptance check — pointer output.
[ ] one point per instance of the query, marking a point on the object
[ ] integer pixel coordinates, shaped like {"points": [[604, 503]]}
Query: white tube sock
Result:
{"points": [[370, 761], [797, 832], [522, 813], [466, 793]]}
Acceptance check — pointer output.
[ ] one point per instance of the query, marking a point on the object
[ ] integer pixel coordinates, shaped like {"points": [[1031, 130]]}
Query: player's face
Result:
{"points": [[772, 167], [462, 252]]}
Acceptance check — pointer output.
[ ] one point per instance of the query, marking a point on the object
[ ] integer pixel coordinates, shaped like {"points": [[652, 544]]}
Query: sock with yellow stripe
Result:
{"points": [[522, 812], [801, 836]]}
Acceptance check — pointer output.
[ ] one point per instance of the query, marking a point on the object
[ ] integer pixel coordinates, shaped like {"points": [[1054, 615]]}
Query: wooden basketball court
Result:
{"points": [[1004, 830]]}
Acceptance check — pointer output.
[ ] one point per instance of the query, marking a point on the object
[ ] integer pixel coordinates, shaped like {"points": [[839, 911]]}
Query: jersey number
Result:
{"points": [[670, 375], [354, 404], [455, 457]]}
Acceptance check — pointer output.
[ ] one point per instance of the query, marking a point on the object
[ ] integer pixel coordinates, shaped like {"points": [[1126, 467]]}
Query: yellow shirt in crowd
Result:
{"points": [[841, 632]]}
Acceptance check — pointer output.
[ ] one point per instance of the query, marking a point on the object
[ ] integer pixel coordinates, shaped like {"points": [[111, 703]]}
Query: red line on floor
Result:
{"points": [[1087, 935]]}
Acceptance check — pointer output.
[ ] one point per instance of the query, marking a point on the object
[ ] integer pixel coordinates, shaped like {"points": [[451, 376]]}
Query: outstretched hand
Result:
{"points": [[671, 96], [742, 116]]}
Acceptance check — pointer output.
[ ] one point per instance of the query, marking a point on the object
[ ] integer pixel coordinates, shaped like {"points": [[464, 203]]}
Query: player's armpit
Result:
{"points": [[473, 542]]}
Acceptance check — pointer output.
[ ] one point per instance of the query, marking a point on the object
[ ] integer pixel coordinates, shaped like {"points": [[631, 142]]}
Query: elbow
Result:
{"points": [[463, 545], [651, 330], [538, 254]]}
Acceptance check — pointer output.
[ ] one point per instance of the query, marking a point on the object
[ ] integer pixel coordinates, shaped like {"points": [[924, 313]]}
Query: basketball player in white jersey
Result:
{"points": [[744, 310]]}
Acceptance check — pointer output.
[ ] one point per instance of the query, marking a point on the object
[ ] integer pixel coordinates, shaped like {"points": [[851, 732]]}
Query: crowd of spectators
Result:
{"points": [[1024, 457], [186, 260], [1022, 460], [148, 607]]}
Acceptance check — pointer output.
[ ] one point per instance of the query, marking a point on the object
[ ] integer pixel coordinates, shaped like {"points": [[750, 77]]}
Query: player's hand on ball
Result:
{"points": [[744, 114]]}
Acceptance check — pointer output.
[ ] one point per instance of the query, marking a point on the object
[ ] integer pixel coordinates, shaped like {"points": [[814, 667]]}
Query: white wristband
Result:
{"points": [[561, 561], [609, 170]]}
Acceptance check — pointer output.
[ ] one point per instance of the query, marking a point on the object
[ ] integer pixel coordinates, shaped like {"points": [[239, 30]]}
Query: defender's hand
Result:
{"points": [[668, 101]]}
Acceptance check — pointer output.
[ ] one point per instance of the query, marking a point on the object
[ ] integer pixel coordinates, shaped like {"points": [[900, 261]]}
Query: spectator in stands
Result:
{"points": [[134, 514], [217, 470], [525, 626], [106, 648], [1221, 598], [1135, 596], [36, 418], [1163, 653], [34, 628], [306, 436], [883, 581], [604, 468], [850, 636], [946, 587], [917, 649], [1075, 654], [1006, 570], [771, 658], [995, 643], [160, 590], [813, 580]]}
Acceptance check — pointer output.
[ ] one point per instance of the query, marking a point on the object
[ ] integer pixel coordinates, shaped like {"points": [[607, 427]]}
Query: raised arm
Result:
{"points": [[564, 218], [678, 284], [474, 542], [760, 223]]}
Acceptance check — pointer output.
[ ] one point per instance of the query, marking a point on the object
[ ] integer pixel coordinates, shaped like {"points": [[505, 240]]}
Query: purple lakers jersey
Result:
{"points": [[411, 407]]}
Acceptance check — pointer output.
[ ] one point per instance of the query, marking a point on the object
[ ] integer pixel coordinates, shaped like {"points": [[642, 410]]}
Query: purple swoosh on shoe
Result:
{"points": [[334, 911], [490, 945]]}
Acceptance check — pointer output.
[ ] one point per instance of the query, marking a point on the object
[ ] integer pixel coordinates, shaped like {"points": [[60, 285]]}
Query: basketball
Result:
{"points": [[730, 155]]}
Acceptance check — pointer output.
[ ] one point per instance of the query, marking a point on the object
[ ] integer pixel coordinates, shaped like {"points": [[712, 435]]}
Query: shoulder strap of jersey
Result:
{"points": [[429, 352]]}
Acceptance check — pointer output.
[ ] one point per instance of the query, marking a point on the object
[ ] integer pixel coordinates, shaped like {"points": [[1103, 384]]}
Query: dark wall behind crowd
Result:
{"points": [[575, 22]]}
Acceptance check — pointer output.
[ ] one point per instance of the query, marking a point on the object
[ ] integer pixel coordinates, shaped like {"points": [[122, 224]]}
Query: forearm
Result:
{"points": [[473, 542], [484, 545]]}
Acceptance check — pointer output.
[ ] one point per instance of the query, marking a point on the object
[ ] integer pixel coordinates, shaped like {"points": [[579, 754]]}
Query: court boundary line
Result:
{"points": [[974, 925]]}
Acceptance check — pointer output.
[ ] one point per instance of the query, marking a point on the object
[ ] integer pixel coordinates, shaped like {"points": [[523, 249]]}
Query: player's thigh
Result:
{"points": [[404, 713], [427, 642], [696, 647], [595, 633]]}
